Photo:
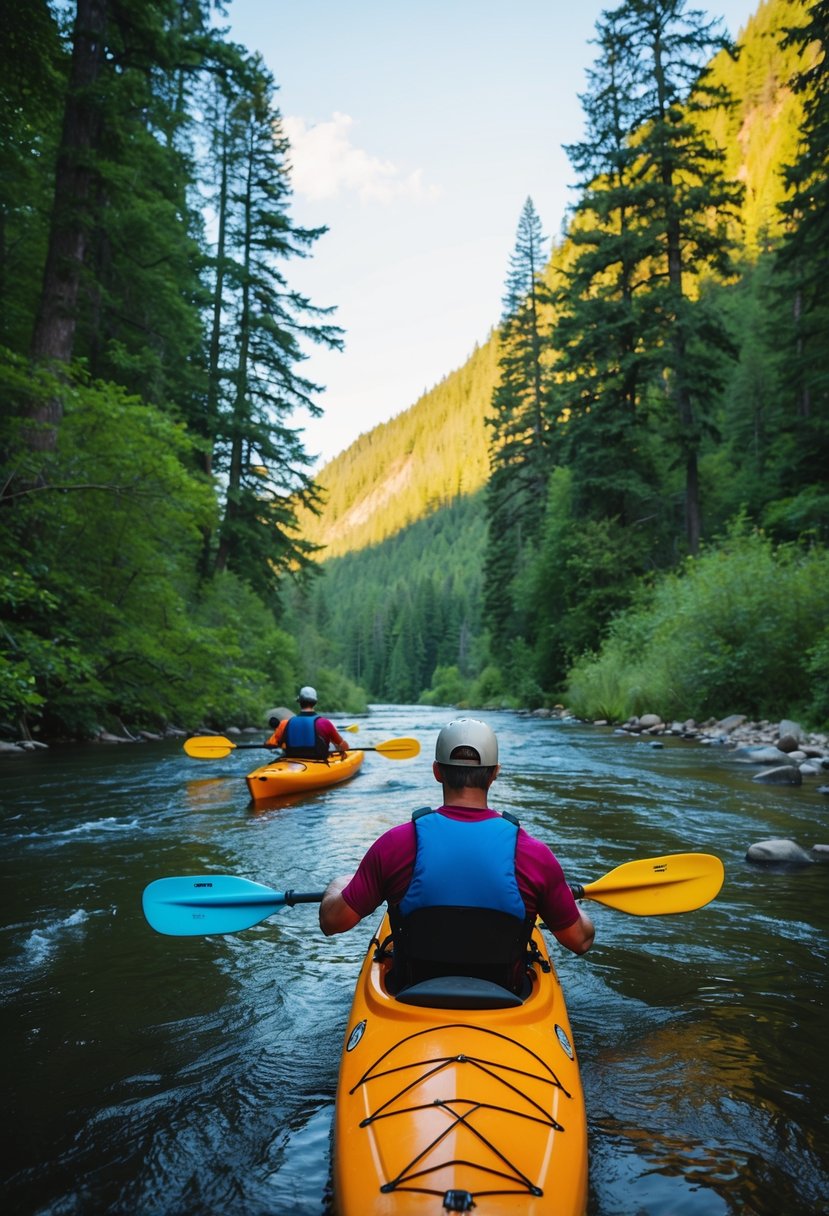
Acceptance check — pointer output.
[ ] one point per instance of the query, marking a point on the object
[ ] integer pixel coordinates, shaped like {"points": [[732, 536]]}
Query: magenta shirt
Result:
{"points": [[326, 729], [386, 871]]}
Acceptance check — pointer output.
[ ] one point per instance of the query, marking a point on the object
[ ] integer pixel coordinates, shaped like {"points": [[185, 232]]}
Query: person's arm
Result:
{"points": [[336, 916], [556, 905], [579, 936], [331, 735]]}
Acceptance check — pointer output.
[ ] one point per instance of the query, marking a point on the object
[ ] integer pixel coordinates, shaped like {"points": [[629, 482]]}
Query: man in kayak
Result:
{"points": [[464, 884], [307, 735]]}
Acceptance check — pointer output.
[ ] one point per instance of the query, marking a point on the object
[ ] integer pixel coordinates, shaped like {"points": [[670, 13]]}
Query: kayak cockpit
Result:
{"points": [[458, 992]]}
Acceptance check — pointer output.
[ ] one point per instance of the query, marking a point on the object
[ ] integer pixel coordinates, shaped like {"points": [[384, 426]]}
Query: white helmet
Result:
{"points": [[467, 732], [307, 693]]}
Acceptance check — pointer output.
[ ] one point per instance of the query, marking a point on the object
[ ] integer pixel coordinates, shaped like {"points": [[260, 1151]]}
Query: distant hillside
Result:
{"points": [[411, 466], [436, 450]]}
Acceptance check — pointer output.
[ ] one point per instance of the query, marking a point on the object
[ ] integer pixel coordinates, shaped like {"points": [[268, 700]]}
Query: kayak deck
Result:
{"points": [[442, 1108], [290, 775]]}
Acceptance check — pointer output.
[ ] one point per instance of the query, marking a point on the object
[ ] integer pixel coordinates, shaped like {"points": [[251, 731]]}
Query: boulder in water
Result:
{"points": [[777, 852]]}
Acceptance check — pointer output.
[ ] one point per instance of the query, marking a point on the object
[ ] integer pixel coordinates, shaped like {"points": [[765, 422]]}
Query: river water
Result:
{"points": [[191, 1076]]}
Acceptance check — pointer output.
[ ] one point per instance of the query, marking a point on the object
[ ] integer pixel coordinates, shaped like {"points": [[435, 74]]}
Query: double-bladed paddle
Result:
{"points": [[216, 747], [222, 903]]}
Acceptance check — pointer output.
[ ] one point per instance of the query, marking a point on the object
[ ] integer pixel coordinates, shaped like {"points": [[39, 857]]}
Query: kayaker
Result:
{"points": [[307, 734], [464, 884]]}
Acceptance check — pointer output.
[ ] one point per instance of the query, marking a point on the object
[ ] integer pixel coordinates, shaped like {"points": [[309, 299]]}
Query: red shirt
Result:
{"points": [[386, 871]]}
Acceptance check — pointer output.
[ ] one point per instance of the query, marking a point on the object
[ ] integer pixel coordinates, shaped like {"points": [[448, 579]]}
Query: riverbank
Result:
{"points": [[784, 753]]}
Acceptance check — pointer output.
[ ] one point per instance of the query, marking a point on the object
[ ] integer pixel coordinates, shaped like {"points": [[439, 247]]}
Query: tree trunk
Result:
{"points": [[53, 338]]}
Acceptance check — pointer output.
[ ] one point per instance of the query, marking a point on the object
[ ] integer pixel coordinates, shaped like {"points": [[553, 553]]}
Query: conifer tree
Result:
{"points": [[651, 223], [600, 332], [257, 448], [31, 83], [802, 276], [53, 339], [684, 206], [519, 432]]}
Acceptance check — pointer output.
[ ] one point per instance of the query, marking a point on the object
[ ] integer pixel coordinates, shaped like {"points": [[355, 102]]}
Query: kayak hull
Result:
{"points": [[442, 1108], [294, 776]]}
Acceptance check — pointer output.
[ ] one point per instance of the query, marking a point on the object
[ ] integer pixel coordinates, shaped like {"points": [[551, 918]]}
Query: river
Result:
{"points": [[168, 1076]]}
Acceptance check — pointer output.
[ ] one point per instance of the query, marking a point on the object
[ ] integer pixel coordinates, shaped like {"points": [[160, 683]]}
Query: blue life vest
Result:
{"points": [[301, 738], [462, 863], [462, 914]]}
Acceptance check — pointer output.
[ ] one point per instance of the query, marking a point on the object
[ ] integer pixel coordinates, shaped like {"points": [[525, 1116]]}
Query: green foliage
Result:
{"points": [[30, 88], [30, 659], [335, 690], [604, 688], [104, 535], [732, 631], [488, 690], [818, 670], [103, 617], [636, 343], [390, 615], [448, 687], [108, 523], [258, 659], [586, 570]]}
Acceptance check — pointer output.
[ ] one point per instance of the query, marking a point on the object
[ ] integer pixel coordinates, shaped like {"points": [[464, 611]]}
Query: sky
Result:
{"points": [[418, 129]]}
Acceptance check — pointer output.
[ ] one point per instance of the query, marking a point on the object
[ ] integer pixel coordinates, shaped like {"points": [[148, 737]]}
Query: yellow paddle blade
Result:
{"points": [[208, 747], [655, 886], [214, 747], [352, 730], [397, 749]]}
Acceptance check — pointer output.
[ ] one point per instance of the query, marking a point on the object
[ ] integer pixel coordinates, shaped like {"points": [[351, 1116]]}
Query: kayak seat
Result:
{"points": [[459, 992], [481, 944]]}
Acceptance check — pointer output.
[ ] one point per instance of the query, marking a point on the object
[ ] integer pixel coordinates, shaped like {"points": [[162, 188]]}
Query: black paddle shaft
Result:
{"points": [[303, 897]]}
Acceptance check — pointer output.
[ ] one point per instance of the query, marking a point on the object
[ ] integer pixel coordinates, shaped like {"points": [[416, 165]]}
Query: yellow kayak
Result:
{"points": [[461, 1106], [294, 776]]}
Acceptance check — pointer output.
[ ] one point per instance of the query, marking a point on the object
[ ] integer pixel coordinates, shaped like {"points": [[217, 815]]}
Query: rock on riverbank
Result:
{"points": [[783, 751]]}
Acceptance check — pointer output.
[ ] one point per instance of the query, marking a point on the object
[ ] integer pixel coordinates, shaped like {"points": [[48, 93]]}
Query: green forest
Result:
{"points": [[620, 501], [656, 500]]}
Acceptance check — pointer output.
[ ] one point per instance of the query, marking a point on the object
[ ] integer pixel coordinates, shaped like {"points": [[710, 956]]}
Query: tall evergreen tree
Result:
{"points": [[32, 66], [632, 332], [802, 280], [53, 339], [255, 383], [600, 332], [519, 432], [120, 276], [650, 224], [683, 206]]}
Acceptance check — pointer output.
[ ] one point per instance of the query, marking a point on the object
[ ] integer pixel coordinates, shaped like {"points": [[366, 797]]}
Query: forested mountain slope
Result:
{"points": [[411, 466], [420, 460]]}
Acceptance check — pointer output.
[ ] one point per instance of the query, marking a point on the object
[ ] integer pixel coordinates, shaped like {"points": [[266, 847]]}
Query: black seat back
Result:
{"points": [[461, 941]]}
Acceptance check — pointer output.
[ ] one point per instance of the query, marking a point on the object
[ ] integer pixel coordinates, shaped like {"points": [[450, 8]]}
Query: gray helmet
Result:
{"points": [[307, 693], [467, 732]]}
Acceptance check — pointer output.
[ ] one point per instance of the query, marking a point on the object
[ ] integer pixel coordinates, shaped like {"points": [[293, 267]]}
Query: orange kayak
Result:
{"points": [[292, 776], [462, 1106]]}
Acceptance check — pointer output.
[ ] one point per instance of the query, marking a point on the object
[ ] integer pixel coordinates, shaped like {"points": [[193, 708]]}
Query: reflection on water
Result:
{"points": [[196, 1076]]}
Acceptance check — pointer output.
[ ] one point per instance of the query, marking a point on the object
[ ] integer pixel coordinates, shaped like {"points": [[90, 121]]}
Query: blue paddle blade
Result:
{"points": [[208, 903]]}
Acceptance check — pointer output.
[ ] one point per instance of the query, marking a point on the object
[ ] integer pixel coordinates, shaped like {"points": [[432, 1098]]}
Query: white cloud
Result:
{"points": [[325, 163]]}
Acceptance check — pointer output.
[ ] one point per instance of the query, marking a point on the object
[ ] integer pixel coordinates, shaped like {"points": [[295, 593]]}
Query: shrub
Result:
{"points": [[734, 630]]}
